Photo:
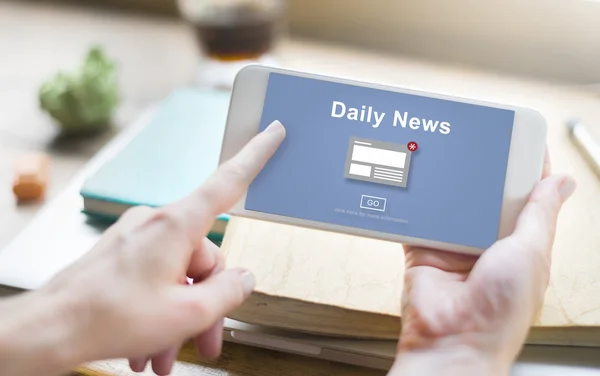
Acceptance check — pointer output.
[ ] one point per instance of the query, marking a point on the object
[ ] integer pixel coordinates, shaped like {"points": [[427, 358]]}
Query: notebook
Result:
{"points": [[173, 155]]}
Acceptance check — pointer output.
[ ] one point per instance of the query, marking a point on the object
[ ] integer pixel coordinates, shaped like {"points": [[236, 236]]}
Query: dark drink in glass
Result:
{"points": [[233, 33]]}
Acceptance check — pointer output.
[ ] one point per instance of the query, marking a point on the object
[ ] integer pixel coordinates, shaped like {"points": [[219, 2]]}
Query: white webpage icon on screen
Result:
{"points": [[377, 162]]}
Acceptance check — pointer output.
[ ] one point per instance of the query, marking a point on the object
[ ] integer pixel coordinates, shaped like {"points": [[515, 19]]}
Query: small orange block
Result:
{"points": [[32, 173]]}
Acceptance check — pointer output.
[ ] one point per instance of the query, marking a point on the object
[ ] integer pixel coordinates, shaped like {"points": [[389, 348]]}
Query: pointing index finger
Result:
{"points": [[225, 187]]}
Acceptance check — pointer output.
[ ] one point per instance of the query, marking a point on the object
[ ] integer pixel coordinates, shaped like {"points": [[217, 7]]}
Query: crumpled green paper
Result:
{"points": [[83, 101]]}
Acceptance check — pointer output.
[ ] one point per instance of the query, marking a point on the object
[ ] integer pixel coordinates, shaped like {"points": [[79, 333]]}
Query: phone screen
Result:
{"points": [[389, 162]]}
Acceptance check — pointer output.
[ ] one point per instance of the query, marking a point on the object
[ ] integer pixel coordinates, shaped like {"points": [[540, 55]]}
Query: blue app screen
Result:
{"points": [[390, 162]]}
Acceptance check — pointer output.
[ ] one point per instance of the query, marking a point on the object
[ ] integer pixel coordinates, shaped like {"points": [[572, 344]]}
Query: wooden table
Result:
{"points": [[156, 55]]}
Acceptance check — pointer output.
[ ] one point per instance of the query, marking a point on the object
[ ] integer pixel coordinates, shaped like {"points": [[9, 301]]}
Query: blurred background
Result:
{"points": [[555, 40]]}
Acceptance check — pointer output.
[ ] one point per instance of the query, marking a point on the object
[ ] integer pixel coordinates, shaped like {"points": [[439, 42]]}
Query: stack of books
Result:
{"points": [[170, 157]]}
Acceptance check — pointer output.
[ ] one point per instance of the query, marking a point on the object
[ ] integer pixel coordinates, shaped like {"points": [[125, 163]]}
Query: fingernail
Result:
{"points": [[567, 187], [274, 127], [248, 279], [138, 365]]}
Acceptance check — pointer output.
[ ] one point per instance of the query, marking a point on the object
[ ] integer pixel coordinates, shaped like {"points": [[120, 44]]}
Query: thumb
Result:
{"points": [[214, 298], [515, 271], [529, 247], [536, 224]]}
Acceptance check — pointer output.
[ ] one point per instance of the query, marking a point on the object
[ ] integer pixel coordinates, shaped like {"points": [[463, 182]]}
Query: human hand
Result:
{"points": [[129, 297], [464, 314]]}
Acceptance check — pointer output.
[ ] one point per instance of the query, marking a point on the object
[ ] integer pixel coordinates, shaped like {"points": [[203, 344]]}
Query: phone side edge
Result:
{"points": [[525, 165], [244, 116]]}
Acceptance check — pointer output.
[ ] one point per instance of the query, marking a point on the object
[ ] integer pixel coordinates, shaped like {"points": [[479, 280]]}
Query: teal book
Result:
{"points": [[169, 158]]}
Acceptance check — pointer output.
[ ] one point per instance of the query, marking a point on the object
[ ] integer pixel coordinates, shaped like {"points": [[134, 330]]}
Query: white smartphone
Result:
{"points": [[385, 162]]}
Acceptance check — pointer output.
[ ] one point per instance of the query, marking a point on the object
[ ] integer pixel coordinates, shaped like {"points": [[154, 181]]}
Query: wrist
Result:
{"points": [[449, 359], [38, 334]]}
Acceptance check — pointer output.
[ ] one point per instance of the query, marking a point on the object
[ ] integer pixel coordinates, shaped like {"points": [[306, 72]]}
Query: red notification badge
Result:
{"points": [[412, 146]]}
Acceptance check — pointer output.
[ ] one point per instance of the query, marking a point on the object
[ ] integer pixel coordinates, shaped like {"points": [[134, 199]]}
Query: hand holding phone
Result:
{"points": [[418, 168]]}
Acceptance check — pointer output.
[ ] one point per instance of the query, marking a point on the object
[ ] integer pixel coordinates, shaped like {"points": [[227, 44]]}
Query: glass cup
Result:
{"points": [[233, 34]]}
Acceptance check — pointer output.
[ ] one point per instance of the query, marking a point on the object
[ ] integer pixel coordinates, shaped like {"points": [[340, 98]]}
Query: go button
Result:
{"points": [[372, 203]]}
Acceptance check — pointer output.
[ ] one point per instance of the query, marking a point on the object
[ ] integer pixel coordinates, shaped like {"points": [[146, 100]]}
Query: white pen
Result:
{"points": [[585, 142]]}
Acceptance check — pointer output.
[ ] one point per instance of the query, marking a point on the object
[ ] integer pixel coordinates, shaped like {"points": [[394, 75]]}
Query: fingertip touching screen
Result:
{"points": [[384, 161]]}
